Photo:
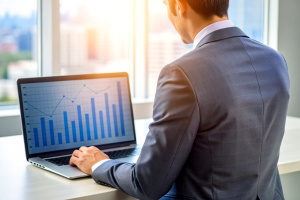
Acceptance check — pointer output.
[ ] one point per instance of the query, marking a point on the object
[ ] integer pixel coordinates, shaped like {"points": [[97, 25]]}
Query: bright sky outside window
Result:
{"points": [[165, 44], [95, 36], [249, 16], [94, 40]]}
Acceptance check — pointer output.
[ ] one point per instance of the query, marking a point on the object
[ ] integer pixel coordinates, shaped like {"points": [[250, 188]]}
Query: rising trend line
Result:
{"points": [[69, 99]]}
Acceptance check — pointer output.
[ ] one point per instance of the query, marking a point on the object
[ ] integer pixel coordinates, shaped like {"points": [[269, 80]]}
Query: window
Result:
{"points": [[165, 44], [98, 36], [18, 56], [249, 16], [94, 36]]}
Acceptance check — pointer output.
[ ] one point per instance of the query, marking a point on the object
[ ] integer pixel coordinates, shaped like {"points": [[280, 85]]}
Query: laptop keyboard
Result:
{"points": [[64, 160]]}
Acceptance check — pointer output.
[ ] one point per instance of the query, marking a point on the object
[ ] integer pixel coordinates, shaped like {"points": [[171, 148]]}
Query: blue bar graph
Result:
{"points": [[107, 114], [101, 124], [44, 136], [85, 118], [74, 131], [115, 120], [88, 130], [121, 108], [66, 127], [94, 118], [59, 138], [51, 132], [80, 123], [36, 137]]}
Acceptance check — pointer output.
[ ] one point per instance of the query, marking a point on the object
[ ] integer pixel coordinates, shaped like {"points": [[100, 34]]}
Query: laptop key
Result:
{"points": [[60, 160]]}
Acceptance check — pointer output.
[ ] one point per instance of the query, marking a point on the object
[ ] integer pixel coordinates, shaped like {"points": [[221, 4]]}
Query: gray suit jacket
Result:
{"points": [[219, 117]]}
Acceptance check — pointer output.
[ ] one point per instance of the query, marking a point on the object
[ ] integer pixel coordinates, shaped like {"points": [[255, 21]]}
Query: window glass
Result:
{"points": [[165, 44], [249, 16], [95, 36], [18, 39]]}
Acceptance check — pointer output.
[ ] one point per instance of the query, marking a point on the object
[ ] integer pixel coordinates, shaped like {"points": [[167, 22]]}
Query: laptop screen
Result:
{"points": [[67, 114]]}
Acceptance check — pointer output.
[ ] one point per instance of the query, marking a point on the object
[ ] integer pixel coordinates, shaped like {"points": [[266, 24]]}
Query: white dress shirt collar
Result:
{"points": [[211, 28]]}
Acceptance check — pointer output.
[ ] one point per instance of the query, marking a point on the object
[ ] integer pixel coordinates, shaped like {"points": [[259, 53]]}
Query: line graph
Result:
{"points": [[69, 99]]}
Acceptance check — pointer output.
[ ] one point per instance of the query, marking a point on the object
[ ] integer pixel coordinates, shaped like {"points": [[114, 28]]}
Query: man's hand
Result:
{"points": [[86, 157]]}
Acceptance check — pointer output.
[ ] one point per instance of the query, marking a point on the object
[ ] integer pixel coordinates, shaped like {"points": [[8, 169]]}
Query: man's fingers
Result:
{"points": [[83, 148], [86, 157], [73, 160], [75, 157], [76, 153], [92, 149]]}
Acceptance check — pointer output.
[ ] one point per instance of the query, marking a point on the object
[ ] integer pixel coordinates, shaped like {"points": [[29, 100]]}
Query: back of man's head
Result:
{"points": [[206, 8]]}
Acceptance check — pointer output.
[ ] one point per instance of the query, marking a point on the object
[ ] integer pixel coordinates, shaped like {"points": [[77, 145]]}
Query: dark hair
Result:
{"points": [[206, 8]]}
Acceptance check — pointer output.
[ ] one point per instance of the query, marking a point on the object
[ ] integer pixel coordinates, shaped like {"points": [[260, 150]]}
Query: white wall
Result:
{"points": [[289, 46], [10, 125], [290, 184]]}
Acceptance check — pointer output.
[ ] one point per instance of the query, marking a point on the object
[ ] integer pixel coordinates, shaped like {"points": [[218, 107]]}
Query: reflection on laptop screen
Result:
{"points": [[63, 115]]}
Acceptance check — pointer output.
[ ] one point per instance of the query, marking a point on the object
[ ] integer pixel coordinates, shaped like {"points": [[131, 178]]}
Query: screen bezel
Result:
{"points": [[71, 78]]}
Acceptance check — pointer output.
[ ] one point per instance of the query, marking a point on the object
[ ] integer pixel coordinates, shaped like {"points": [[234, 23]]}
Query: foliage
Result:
{"points": [[6, 98], [6, 58]]}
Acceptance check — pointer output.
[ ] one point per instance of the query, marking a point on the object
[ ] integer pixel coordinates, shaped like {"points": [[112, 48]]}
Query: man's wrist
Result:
{"points": [[95, 166]]}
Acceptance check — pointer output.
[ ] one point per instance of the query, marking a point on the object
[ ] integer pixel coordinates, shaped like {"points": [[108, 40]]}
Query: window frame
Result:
{"points": [[271, 20], [48, 37]]}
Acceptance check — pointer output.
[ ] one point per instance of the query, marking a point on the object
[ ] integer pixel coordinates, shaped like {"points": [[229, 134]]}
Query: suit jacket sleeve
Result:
{"points": [[167, 145]]}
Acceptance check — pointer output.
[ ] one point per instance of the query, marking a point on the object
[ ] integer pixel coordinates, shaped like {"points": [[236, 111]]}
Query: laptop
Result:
{"points": [[62, 113]]}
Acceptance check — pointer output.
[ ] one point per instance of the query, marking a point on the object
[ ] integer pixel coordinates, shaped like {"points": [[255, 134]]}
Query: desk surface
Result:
{"points": [[289, 159], [21, 180]]}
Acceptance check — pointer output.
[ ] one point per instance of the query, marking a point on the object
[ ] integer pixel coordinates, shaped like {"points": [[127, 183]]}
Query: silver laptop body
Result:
{"points": [[60, 114]]}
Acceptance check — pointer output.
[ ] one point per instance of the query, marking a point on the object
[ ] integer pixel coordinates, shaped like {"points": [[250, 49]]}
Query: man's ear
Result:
{"points": [[181, 7]]}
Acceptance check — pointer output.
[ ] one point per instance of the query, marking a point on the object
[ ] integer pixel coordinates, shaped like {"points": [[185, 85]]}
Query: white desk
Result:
{"points": [[289, 159], [20, 180]]}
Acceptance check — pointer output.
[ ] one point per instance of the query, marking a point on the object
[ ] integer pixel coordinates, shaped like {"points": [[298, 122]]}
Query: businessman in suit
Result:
{"points": [[219, 116]]}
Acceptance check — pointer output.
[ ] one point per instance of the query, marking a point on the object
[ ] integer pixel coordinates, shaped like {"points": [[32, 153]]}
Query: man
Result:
{"points": [[219, 117]]}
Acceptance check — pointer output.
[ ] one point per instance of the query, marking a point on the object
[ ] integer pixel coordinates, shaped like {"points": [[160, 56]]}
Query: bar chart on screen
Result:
{"points": [[67, 114]]}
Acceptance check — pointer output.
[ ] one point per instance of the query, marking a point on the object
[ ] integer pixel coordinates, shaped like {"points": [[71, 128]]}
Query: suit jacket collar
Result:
{"points": [[221, 35]]}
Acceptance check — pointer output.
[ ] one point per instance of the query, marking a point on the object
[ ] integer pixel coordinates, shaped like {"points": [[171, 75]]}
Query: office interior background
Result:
{"points": [[63, 37]]}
